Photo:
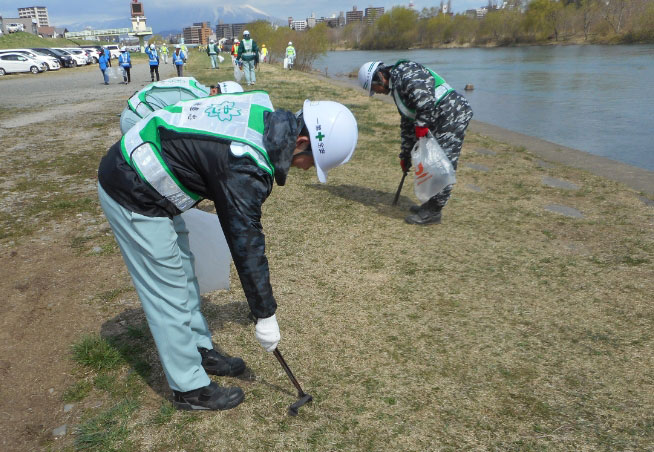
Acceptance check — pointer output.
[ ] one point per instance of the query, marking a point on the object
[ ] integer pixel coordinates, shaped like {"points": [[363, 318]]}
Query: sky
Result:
{"points": [[62, 12]]}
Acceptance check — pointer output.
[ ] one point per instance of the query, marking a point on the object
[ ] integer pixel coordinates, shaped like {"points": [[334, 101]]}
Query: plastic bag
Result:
{"points": [[285, 63], [113, 74], [210, 251], [433, 170], [238, 73], [221, 58]]}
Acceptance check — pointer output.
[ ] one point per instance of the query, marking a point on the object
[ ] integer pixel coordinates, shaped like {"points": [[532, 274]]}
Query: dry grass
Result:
{"points": [[505, 328]]}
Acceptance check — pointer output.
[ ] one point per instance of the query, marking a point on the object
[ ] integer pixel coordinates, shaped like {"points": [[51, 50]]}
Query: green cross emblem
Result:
{"points": [[320, 136], [224, 111]]}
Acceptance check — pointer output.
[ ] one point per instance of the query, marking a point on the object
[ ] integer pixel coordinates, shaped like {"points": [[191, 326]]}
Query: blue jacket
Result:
{"points": [[103, 62], [154, 57], [125, 60], [179, 59]]}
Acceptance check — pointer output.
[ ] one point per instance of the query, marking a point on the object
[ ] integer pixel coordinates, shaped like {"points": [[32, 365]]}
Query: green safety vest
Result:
{"points": [[234, 117], [247, 46], [441, 89], [139, 104]]}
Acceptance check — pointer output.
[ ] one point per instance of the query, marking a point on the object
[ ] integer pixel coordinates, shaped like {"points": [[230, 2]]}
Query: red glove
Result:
{"points": [[421, 131], [405, 164]]}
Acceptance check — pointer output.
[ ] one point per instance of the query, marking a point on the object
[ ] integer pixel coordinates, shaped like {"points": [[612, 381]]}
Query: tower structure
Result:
{"points": [[139, 27]]}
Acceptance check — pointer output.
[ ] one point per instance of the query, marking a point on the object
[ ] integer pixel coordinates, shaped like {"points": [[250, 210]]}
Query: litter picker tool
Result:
{"points": [[399, 189], [304, 398]]}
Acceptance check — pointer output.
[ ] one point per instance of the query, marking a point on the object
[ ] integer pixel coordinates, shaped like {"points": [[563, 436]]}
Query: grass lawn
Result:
{"points": [[506, 328]]}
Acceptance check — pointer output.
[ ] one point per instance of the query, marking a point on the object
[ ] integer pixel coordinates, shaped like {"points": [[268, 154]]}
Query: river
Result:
{"points": [[598, 99]]}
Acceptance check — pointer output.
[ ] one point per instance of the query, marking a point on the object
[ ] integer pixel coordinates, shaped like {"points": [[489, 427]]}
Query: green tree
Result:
{"points": [[395, 29]]}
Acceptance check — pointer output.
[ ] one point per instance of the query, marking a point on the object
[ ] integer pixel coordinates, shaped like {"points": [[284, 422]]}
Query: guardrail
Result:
{"points": [[108, 32]]}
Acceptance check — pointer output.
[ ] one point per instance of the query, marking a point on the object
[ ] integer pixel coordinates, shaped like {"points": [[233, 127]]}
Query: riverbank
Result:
{"points": [[639, 179], [523, 322]]}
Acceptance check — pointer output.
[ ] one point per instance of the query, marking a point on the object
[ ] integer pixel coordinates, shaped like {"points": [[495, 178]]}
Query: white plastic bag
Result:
{"points": [[238, 72], [221, 58], [209, 248], [433, 171], [113, 73], [285, 63]]}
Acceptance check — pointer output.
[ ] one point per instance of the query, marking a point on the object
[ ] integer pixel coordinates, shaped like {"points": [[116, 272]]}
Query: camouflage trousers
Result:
{"points": [[454, 113]]}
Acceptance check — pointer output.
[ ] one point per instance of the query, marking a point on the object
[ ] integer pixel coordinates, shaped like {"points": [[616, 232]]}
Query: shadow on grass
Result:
{"points": [[129, 336], [377, 199]]}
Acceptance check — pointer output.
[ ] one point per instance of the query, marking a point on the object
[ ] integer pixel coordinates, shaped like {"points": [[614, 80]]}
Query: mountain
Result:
{"points": [[167, 21]]}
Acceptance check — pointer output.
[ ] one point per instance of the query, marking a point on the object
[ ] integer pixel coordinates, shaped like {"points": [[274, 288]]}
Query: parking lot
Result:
{"points": [[28, 99]]}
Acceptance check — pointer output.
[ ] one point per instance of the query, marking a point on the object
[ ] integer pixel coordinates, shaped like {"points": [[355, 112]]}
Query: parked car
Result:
{"points": [[95, 52], [13, 27], [80, 60], [52, 64], [64, 60], [93, 55], [114, 50], [17, 62], [84, 58]]}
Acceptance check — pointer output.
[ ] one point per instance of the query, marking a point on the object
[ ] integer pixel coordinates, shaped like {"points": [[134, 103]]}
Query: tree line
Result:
{"points": [[537, 22]]}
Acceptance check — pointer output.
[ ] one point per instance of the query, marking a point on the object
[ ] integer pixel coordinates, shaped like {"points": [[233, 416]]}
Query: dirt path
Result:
{"points": [[51, 238]]}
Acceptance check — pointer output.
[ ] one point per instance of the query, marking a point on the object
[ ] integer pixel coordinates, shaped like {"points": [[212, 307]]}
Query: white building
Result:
{"points": [[299, 25], [40, 13]]}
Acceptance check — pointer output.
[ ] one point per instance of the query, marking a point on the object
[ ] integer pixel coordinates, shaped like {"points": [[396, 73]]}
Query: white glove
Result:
{"points": [[267, 333]]}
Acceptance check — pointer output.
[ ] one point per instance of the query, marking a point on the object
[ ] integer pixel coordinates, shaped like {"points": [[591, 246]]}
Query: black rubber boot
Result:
{"points": [[425, 214], [211, 397], [414, 209], [216, 364]]}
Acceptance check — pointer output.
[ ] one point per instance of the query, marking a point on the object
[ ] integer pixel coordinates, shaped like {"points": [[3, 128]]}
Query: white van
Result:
{"points": [[114, 50], [13, 28]]}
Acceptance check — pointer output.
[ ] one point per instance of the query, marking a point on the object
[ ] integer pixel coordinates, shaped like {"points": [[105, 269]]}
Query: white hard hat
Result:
{"points": [[123, 49], [290, 43], [212, 41], [246, 33], [366, 72], [152, 46], [333, 132], [230, 87], [178, 46]]}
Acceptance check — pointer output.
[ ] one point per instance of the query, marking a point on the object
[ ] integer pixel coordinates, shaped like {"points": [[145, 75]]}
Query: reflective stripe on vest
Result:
{"points": [[139, 105], [234, 117], [247, 46], [441, 89]]}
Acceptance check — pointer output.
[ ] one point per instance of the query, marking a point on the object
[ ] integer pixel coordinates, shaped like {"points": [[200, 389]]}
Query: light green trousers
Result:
{"points": [[156, 251]]}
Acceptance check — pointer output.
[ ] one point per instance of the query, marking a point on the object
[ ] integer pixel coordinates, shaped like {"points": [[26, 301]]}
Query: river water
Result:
{"points": [[598, 99]]}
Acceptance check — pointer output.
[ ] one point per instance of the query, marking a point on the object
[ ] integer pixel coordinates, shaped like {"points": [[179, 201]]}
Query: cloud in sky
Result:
{"points": [[76, 11]]}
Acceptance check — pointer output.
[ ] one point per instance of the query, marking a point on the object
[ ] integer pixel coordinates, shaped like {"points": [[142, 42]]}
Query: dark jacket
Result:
{"points": [[236, 185], [415, 86], [252, 55]]}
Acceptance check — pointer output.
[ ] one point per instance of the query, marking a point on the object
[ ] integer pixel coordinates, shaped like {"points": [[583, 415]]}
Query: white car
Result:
{"points": [[52, 64], [80, 60], [13, 28], [79, 54], [114, 50], [95, 53], [17, 62]]}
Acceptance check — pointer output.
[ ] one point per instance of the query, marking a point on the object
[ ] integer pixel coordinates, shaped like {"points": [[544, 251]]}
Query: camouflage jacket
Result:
{"points": [[236, 185], [414, 85]]}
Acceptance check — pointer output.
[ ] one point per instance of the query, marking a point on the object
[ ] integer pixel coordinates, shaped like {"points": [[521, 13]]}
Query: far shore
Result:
{"points": [[495, 45]]}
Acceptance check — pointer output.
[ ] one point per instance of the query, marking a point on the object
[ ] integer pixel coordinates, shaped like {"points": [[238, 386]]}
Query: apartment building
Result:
{"points": [[40, 13]]}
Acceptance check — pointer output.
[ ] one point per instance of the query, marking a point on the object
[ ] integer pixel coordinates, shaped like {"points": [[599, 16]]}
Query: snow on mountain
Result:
{"points": [[173, 20]]}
